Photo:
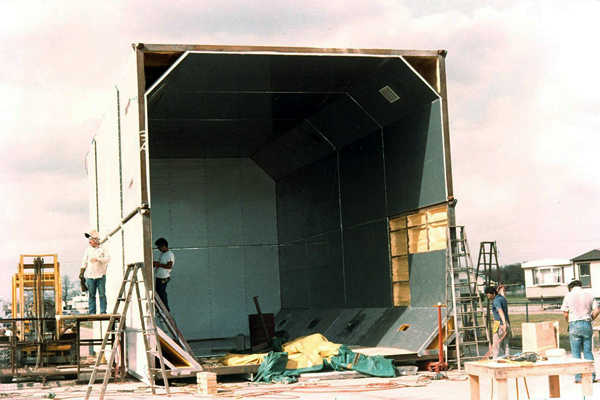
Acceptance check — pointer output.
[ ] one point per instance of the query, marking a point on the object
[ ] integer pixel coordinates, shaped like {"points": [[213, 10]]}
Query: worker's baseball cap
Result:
{"points": [[92, 234]]}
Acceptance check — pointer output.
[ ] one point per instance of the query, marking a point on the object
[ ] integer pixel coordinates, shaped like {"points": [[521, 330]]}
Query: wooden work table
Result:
{"points": [[501, 372]]}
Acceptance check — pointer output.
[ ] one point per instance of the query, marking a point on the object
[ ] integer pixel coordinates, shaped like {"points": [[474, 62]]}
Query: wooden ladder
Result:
{"points": [[469, 335], [116, 326], [487, 266]]}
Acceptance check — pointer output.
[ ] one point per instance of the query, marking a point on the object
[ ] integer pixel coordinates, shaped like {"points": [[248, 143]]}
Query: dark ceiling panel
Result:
{"points": [[187, 105], [268, 72], [292, 151], [220, 73], [343, 122], [317, 73], [413, 92], [211, 105], [206, 139], [284, 111]]}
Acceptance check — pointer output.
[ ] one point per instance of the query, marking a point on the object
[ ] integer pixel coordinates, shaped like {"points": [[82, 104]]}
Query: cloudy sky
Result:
{"points": [[524, 102]]}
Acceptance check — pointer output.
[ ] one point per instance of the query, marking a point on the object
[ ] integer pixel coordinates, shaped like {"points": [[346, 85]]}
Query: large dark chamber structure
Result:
{"points": [[276, 173]]}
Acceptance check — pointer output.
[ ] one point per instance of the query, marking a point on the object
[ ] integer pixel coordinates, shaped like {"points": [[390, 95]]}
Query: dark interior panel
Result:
{"points": [[362, 180], [325, 269], [367, 265], [414, 160], [425, 272]]}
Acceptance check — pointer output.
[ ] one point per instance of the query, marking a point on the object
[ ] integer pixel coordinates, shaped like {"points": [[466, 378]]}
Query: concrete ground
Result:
{"points": [[420, 386]]}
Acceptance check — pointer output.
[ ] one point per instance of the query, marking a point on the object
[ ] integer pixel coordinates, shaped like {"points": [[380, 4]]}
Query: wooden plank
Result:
{"points": [[232, 370], [337, 375], [174, 356], [496, 370], [502, 387], [170, 48], [443, 91], [554, 386], [475, 389], [383, 351], [87, 317], [172, 325], [587, 388]]}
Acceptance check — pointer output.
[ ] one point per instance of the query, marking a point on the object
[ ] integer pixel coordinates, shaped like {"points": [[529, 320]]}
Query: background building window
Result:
{"points": [[548, 276], [584, 275]]}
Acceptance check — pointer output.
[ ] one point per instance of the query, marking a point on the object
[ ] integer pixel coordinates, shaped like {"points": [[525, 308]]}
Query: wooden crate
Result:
{"points": [[540, 336]]}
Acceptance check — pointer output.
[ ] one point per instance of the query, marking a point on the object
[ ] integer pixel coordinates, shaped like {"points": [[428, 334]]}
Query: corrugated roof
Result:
{"points": [[589, 256]]}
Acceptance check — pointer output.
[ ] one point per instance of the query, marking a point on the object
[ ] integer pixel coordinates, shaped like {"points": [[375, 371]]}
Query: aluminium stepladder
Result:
{"points": [[116, 326], [468, 332]]}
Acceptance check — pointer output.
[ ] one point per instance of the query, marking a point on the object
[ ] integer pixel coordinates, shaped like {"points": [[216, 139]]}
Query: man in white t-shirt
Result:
{"points": [[93, 269], [162, 270], [580, 309]]}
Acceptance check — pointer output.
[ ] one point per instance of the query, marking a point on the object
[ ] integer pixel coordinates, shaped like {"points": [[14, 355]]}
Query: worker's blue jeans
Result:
{"points": [[161, 290], [581, 336], [96, 285]]}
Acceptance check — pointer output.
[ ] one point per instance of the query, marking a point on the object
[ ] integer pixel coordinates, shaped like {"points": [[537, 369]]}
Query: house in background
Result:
{"points": [[548, 278], [587, 270]]}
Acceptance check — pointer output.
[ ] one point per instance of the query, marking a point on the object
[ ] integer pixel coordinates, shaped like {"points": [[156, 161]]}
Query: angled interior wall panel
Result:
{"points": [[326, 270], [362, 181], [367, 265], [294, 279], [308, 201], [427, 278], [415, 161]]}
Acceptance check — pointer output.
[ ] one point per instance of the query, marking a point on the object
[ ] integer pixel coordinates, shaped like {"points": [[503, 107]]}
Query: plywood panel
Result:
{"points": [[397, 223], [417, 219], [401, 294], [417, 239], [437, 214], [428, 278], [399, 242], [437, 235], [400, 269]]}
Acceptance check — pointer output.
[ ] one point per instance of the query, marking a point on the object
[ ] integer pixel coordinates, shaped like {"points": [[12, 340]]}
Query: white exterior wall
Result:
{"points": [[219, 217], [594, 274], [114, 173], [546, 290]]}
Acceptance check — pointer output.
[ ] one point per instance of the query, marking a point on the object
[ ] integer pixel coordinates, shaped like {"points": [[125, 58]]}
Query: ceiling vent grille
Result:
{"points": [[389, 94]]}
